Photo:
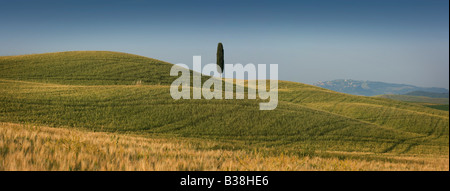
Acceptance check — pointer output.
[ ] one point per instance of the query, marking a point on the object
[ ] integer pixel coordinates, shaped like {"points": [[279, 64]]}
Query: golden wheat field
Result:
{"points": [[27, 147]]}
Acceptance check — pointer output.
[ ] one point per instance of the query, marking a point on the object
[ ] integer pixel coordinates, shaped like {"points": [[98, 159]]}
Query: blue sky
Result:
{"points": [[398, 41]]}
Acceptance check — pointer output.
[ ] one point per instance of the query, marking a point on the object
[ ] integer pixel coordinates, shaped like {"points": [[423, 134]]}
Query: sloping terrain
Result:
{"points": [[428, 94], [97, 91], [44, 148], [86, 68], [419, 99], [371, 88]]}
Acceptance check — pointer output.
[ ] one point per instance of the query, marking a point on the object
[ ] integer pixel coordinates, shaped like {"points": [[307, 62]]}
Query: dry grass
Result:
{"points": [[26, 147]]}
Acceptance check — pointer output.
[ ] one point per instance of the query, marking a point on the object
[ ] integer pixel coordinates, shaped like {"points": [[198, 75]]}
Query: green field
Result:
{"points": [[97, 91], [428, 94], [435, 103], [418, 99], [443, 107]]}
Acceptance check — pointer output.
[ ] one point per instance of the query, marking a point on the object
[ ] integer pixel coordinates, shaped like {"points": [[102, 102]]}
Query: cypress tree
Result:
{"points": [[220, 60]]}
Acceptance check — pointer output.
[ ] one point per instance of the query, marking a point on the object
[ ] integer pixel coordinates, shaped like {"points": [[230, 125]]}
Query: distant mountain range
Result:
{"points": [[371, 88]]}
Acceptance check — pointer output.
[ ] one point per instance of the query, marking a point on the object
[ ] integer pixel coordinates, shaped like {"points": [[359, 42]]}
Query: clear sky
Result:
{"points": [[398, 41]]}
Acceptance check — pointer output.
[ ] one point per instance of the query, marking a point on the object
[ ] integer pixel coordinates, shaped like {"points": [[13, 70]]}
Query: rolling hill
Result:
{"points": [[428, 99], [370, 88], [96, 91], [428, 94], [419, 99]]}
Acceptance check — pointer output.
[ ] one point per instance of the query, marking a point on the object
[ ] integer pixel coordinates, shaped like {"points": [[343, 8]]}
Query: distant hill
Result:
{"points": [[428, 94], [370, 88], [420, 99], [428, 99]]}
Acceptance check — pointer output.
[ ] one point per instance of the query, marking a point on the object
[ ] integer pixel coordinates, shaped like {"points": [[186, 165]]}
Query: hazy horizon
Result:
{"points": [[400, 41]]}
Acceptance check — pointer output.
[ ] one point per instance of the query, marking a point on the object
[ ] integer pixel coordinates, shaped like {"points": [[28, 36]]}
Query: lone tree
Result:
{"points": [[220, 62]]}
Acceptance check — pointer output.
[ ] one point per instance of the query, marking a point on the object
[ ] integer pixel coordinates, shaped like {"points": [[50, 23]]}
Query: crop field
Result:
{"points": [[443, 107], [26, 147], [420, 99], [99, 106]]}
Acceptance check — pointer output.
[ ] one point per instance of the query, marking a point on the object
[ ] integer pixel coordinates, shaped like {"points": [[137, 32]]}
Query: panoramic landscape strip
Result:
{"points": [[114, 111]]}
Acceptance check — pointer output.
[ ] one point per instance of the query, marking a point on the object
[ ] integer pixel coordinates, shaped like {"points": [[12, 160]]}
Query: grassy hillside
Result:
{"points": [[443, 107], [86, 68], [435, 103], [419, 99], [97, 91], [371, 88], [428, 94]]}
